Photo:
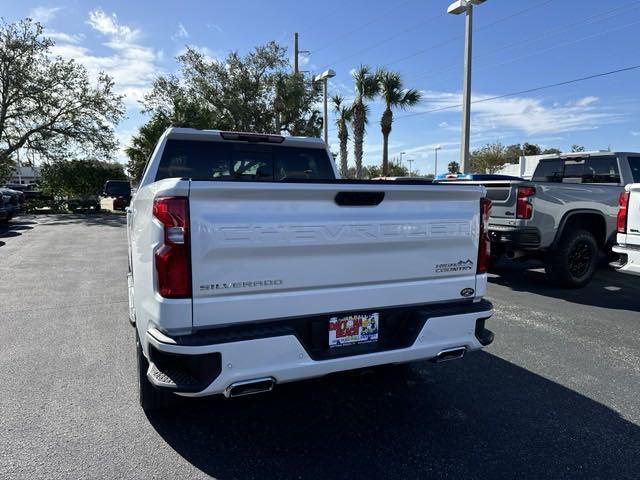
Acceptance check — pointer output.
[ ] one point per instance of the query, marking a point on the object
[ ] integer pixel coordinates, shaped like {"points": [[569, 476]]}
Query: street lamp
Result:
{"points": [[436, 148], [457, 8], [402, 153], [411, 160], [324, 78]]}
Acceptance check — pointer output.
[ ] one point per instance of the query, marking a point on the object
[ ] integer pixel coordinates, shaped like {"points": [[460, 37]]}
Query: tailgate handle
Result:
{"points": [[359, 199]]}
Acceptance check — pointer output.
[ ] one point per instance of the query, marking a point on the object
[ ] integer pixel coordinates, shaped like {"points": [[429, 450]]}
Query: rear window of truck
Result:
{"points": [[228, 160], [600, 169], [634, 165]]}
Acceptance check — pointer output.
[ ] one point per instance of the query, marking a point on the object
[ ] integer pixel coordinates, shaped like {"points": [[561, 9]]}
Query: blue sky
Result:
{"points": [[517, 45]]}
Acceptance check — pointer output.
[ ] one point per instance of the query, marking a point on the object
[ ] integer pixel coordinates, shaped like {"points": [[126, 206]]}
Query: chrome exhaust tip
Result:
{"points": [[450, 354], [250, 387]]}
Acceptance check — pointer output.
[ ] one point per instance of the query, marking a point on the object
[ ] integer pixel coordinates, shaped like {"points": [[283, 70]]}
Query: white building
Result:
{"points": [[24, 176]]}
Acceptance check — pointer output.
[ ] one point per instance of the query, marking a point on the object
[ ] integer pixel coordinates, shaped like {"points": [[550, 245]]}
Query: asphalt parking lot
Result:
{"points": [[556, 396]]}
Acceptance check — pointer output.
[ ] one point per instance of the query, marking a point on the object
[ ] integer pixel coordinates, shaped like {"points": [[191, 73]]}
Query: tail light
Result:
{"points": [[484, 245], [173, 258], [622, 212], [524, 209]]}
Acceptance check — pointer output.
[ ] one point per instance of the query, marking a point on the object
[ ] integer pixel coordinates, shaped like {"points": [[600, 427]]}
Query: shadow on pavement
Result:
{"points": [[13, 228], [478, 418], [9, 233], [608, 289]]}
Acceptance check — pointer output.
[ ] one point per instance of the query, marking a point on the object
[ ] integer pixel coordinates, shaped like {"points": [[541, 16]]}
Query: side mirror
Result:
{"points": [[117, 188]]}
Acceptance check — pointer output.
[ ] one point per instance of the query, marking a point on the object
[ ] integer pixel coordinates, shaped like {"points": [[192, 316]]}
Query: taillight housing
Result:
{"points": [[173, 258], [484, 244], [623, 204], [524, 209]]}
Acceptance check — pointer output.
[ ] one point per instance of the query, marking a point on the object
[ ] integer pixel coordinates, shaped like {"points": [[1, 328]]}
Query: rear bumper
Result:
{"points": [[629, 261], [266, 352], [515, 237]]}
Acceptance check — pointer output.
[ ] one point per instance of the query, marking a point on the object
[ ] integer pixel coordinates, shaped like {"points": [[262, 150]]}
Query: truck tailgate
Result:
{"points": [[263, 250], [633, 216], [503, 195]]}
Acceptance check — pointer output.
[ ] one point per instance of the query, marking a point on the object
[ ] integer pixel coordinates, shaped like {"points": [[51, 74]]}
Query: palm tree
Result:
{"points": [[394, 95], [344, 114], [366, 88]]}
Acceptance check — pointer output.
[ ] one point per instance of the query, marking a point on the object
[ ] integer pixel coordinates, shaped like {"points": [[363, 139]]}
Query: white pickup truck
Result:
{"points": [[252, 264], [628, 226]]}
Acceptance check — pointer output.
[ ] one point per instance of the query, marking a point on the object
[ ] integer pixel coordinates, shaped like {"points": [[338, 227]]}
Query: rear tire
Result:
{"points": [[151, 399], [574, 262]]}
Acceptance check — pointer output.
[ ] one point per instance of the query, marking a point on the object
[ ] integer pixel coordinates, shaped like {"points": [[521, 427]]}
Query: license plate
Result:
{"points": [[353, 329]]}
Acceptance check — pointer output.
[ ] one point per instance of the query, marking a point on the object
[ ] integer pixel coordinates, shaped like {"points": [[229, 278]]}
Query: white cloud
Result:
{"points": [[61, 37], [526, 115], [43, 14], [181, 33], [586, 101], [108, 25], [443, 125], [303, 60], [216, 27], [132, 65], [635, 133]]}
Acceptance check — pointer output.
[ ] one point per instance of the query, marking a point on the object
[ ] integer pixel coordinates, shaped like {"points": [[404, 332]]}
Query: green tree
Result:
{"points": [[488, 158], [531, 149], [254, 93], [394, 95], [142, 145], [577, 148], [513, 153], [552, 151], [366, 85], [49, 106], [375, 171], [453, 167], [7, 167], [78, 178], [344, 115]]}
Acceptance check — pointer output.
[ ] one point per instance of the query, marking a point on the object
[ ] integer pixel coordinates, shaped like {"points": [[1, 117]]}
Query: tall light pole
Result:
{"points": [[401, 154], [411, 160], [324, 78], [456, 8], [435, 170]]}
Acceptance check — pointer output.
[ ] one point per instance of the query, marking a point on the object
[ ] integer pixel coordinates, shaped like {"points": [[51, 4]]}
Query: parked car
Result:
{"points": [[13, 201], [566, 216], [83, 204], [29, 191], [452, 177], [628, 227], [4, 210], [252, 264], [120, 191]]}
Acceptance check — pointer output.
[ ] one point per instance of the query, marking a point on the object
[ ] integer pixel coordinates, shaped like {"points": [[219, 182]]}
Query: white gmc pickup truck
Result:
{"points": [[252, 264], [628, 226]]}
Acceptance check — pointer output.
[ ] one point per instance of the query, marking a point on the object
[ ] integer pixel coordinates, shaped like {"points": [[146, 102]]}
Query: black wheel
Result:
{"points": [[573, 263], [151, 399]]}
